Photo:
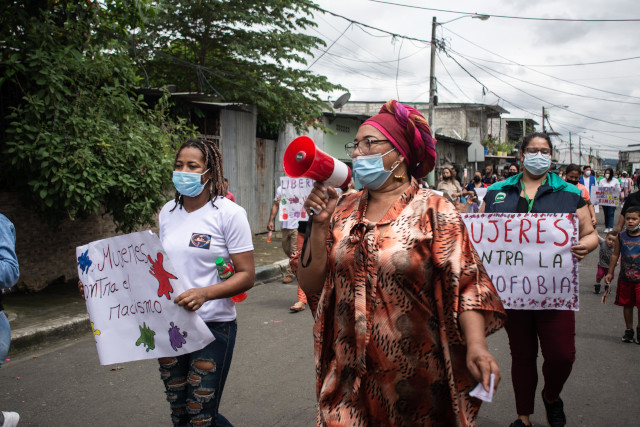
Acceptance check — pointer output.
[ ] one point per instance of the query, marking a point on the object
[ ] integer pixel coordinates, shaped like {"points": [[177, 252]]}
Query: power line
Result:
{"points": [[605, 133], [541, 86], [343, 66], [362, 61], [451, 77], [359, 46], [519, 107], [506, 16], [361, 25], [557, 65], [314, 6], [557, 106], [397, 71], [584, 63], [327, 49], [540, 72]]}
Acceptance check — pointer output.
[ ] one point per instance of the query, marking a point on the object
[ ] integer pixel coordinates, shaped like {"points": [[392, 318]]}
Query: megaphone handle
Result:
{"points": [[307, 234], [316, 211]]}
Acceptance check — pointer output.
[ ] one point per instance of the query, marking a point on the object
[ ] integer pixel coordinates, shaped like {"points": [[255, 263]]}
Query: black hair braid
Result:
{"points": [[213, 163]]}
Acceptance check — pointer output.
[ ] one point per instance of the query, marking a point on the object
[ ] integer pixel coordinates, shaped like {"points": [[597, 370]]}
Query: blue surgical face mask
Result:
{"points": [[537, 164], [188, 183], [369, 170]]}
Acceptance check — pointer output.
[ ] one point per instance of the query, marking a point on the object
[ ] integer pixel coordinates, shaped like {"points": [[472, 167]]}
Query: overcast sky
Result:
{"points": [[366, 61]]}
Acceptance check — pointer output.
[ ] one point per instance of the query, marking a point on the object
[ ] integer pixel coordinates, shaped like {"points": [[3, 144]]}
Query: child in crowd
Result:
{"points": [[606, 250], [628, 292]]}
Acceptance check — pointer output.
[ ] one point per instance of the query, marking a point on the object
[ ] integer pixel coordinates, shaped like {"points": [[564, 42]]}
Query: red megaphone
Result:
{"points": [[303, 159]]}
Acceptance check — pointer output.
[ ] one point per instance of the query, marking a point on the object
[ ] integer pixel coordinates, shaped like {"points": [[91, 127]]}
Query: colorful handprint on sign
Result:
{"points": [[176, 338], [157, 270]]}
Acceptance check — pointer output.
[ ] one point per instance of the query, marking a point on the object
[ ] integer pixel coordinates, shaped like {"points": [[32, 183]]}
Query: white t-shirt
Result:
{"points": [[194, 240], [613, 183], [291, 223]]}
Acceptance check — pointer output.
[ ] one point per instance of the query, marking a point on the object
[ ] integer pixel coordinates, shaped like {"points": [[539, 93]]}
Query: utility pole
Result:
{"points": [[570, 149], [580, 150], [432, 90], [543, 130], [432, 74]]}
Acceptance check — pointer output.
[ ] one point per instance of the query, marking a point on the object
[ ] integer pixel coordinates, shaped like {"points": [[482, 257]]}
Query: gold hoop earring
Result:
{"points": [[399, 178]]}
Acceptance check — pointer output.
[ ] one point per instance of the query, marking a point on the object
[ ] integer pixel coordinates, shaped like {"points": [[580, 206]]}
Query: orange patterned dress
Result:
{"points": [[388, 347]]}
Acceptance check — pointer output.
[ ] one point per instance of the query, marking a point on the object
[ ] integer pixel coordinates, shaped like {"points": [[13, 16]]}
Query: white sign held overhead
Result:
{"points": [[129, 288]]}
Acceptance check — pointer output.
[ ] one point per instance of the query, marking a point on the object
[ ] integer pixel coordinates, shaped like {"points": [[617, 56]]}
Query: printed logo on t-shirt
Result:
{"points": [[199, 240]]}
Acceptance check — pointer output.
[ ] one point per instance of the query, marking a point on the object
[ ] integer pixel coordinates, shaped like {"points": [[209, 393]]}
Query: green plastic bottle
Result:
{"points": [[225, 270]]}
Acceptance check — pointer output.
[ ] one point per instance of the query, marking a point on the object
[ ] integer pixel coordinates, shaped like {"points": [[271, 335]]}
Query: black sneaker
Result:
{"points": [[519, 423], [596, 289], [555, 412], [628, 335], [637, 335]]}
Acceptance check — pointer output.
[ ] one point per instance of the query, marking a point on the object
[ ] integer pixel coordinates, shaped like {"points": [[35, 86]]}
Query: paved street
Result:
{"points": [[271, 382]]}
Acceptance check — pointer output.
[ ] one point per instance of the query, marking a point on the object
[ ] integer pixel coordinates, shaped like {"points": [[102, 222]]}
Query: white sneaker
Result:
{"points": [[10, 419]]}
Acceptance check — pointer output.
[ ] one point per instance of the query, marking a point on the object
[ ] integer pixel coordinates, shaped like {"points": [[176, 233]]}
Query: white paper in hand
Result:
{"points": [[481, 393]]}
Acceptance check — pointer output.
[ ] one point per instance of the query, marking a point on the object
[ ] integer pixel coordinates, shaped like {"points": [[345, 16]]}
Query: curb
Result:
{"points": [[266, 273], [62, 327], [66, 326]]}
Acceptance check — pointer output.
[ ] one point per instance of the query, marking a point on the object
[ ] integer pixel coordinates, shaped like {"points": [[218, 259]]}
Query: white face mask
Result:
{"points": [[607, 175], [587, 173]]}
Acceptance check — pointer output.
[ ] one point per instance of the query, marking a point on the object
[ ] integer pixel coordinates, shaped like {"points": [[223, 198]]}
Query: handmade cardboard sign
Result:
{"points": [[605, 196], [294, 193], [129, 288], [528, 257]]}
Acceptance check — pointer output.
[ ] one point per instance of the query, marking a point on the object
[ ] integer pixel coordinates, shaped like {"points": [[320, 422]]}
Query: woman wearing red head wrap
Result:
{"points": [[401, 301]]}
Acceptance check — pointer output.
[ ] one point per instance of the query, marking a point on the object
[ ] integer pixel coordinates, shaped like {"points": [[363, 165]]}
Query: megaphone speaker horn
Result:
{"points": [[302, 159]]}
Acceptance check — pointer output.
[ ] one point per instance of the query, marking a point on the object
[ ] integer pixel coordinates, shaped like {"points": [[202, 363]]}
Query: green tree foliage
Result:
{"points": [[75, 138], [244, 50]]}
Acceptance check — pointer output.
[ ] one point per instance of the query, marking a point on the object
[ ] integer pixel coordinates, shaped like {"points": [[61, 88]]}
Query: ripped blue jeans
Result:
{"points": [[194, 382]]}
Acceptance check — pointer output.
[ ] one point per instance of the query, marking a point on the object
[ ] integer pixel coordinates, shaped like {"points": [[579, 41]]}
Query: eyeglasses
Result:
{"points": [[363, 146], [534, 150]]}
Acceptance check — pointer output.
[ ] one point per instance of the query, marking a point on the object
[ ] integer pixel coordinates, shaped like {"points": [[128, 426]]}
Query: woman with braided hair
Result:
{"points": [[197, 227], [401, 302]]}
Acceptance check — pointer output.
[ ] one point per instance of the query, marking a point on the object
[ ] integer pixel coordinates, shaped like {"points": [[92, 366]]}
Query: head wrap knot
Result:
{"points": [[409, 133]]}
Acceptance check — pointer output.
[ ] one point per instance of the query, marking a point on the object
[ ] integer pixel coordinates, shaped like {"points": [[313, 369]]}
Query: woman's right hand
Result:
{"points": [[607, 279], [323, 200], [81, 288]]}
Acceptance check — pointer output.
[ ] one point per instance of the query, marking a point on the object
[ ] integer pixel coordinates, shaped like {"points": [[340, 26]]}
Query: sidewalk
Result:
{"points": [[59, 312]]}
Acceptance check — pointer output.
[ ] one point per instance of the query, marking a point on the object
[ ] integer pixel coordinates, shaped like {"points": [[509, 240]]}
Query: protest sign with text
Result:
{"points": [[129, 287], [605, 196], [528, 257], [294, 193]]}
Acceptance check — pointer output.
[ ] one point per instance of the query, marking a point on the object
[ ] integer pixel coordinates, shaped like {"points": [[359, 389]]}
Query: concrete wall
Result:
{"points": [[45, 254], [450, 122], [264, 186], [468, 122], [287, 134], [238, 143], [345, 131]]}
